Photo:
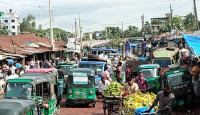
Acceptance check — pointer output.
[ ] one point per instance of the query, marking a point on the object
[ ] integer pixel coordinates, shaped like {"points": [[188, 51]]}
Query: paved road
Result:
{"points": [[82, 109]]}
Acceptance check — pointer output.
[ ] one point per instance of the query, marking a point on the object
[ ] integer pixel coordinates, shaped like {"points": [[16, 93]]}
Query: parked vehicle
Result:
{"points": [[37, 85], [98, 67], [180, 80], [166, 56], [98, 51], [81, 87], [151, 73], [19, 107]]}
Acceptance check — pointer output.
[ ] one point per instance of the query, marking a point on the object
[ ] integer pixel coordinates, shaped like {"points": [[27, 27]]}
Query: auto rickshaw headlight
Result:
{"points": [[70, 92], [91, 92]]}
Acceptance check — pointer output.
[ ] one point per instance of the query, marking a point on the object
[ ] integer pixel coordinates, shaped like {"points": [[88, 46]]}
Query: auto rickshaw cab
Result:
{"points": [[180, 80], [151, 74], [81, 87], [19, 107], [37, 85]]}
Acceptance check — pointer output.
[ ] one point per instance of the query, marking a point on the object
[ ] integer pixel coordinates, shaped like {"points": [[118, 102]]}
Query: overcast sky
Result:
{"points": [[96, 14]]}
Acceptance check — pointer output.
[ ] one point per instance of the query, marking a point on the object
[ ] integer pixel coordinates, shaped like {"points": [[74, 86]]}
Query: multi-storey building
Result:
{"points": [[10, 21]]}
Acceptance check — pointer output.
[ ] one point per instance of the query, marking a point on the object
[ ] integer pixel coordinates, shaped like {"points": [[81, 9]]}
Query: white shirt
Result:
{"points": [[12, 76], [103, 86], [13, 69]]}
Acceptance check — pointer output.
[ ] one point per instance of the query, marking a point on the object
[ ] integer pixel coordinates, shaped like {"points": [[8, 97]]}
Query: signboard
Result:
{"points": [[80, 78], [71, 43]]}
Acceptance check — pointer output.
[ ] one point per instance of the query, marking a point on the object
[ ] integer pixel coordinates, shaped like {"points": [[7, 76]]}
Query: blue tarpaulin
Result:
{"points": [[193, 42]]}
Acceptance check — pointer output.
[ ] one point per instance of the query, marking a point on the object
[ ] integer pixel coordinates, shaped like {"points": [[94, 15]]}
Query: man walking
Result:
{"points": [[118, 72], [165, 99], [106, 74], [144, 47], [128, 49]]}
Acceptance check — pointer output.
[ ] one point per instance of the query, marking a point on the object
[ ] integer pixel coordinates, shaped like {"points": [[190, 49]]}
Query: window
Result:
{"points": [[6, 21], [13, 27], [13, 33], [13, 20], [6, 27], [0, 14]]}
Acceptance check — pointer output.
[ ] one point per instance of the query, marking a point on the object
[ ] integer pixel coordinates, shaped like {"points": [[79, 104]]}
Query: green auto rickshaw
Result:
{"points": [[151, 73], [81, 87], [34, 86], [180, 80], [19, 107]]}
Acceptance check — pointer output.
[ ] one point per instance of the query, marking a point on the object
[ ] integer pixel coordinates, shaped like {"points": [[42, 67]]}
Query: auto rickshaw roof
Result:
{"points": [[149, 66], [16, 106], [88, 70], [165, 52], [37, 78], [92, 62]]}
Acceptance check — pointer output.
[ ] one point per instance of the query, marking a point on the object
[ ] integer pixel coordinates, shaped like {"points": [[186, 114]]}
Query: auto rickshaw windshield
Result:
{"points": [[18, 90], [80, 80], [97, 67], [175, 79], [149, 73]]}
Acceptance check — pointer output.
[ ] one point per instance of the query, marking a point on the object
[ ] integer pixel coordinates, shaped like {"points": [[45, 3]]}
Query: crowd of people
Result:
{"points": [[133, 84]]}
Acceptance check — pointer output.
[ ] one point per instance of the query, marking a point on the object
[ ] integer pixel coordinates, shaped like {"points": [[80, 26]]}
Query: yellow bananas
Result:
{"points": [[133, 102]]}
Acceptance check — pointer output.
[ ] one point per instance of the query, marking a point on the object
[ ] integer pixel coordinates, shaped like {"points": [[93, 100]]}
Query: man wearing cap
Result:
{"points": [[2, 86]]}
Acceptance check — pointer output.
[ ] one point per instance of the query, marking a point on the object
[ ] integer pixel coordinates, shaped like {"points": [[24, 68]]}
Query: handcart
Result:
{"points": [[109, 102]]}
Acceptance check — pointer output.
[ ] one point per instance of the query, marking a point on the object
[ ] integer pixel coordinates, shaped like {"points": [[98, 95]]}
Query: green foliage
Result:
{"points": [[58, 33], [147, 27], [132, 31], [189, 22], [3, 30], [28, 24]]}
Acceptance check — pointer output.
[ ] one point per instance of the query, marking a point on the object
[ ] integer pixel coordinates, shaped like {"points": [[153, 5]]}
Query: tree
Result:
{"points": [[3, 30], [147, 27], [132, 31], [189, 22], [28, 24], [178, 22], [58, 33]]}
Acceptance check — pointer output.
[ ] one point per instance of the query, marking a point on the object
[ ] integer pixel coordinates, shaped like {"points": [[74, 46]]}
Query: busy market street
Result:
{"points": [[99, 57]]}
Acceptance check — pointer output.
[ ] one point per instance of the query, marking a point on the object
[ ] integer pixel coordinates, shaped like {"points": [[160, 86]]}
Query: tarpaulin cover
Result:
{"points": [[193, 42]]}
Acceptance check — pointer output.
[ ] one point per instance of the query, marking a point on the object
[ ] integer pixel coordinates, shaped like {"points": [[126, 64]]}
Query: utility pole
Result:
{"points": [[80, 29], [122, 30], [171, 17], [75, 34], [143, 32], [195, 13], [51, 29]]}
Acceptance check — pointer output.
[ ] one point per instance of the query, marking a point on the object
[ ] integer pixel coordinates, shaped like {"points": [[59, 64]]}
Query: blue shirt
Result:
{"points": [[144, 44], [128, 46]]}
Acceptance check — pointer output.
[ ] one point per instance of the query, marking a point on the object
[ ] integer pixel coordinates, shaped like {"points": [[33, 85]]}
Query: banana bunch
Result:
{"points": [[133, 102], [113, 89]]}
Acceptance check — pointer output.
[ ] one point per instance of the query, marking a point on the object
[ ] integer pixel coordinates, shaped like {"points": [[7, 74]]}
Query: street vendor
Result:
{"points": [[141, 81], [129, 87], [103, 84], [165, 99]]}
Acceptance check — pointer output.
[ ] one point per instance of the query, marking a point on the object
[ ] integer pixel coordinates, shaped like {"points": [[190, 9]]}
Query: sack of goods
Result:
{"points": [[113, 89], [139, 100]]}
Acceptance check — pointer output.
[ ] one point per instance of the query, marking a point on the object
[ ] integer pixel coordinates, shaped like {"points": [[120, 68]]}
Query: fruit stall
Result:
{"points": [[111, 98], [129, 105]]}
